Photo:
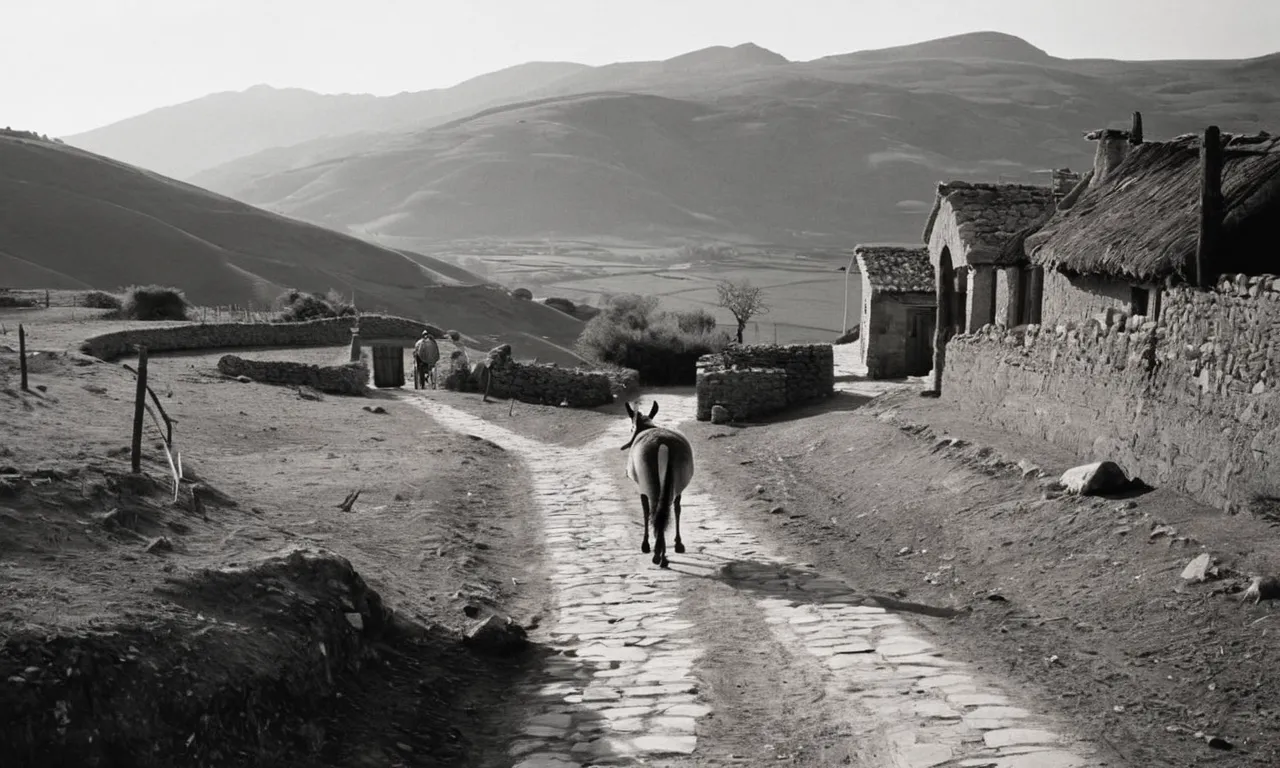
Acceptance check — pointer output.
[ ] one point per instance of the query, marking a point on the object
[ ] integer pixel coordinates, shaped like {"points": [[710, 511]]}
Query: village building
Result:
{"points": [[1135, 224], [899, 310]]}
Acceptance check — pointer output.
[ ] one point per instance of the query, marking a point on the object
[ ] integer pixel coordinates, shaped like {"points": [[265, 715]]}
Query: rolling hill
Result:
{"points": [[741, 144], [75, 220]]}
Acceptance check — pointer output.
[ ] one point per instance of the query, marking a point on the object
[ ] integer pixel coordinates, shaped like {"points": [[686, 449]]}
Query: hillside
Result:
{"points": [[224, 126], [72, 219], [739, 143]]}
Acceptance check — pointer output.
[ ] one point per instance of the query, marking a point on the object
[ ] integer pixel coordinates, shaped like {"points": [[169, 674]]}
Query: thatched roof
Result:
{"points": [[986, 215], [896, 269], [1143, 221]]}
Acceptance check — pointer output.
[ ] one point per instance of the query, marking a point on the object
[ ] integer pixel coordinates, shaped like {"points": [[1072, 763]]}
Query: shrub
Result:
{"points": [[153, 302], [522, 293], [296, 306], [101, 300], [662, 347]]}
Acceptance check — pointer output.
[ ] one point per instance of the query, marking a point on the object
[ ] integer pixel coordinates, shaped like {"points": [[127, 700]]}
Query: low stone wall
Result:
{"points": [[545, 384], [332, 331], [757, 380], [746, 393], [1190, 402], [349, 379]]}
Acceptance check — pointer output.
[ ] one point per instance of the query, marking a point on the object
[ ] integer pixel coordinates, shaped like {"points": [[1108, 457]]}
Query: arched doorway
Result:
{"points": [[943, 329]]}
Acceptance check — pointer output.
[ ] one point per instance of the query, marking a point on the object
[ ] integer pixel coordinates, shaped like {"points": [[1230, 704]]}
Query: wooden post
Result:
{"points": [[46, 299], [139, 404], [1210, 204], [1135, 130], [22, 355]]}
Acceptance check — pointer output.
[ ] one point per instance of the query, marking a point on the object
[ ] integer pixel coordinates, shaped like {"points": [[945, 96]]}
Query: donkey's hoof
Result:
{"points": [[679, 547], [664, 563], [644, 547], [657, 558]]}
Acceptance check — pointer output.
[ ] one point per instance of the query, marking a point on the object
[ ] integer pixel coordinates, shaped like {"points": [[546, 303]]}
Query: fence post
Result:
{"points": [[22, 355], [139, 404], [46, 299]]}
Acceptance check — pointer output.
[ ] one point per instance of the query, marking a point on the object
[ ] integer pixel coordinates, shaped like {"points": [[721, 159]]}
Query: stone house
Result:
{"points": [[1133, 224], [899, 310]]}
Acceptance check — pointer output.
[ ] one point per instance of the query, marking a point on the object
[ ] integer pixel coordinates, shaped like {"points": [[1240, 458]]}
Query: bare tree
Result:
{"points": [[743, 300]]}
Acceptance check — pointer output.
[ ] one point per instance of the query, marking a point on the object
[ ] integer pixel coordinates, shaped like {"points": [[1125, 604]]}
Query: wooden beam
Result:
{"points": [[139, 405], [1135, 130], [1211, 208], [22, 356]]}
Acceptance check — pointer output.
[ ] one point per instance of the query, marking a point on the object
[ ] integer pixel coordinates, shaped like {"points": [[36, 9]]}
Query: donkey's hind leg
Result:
{"points": [[644, 545], [679, 543]]}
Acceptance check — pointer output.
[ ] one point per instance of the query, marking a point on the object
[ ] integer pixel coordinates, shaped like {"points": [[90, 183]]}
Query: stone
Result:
{"points": [[355, 620], [1093, 479], [1200, 568], [659, 745], [497, 635], [1008, 737], [159, 544], [719, 414]]}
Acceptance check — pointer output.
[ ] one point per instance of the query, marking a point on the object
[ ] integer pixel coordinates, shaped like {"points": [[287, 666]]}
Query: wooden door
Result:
{"points": [[388, 366], [921, 322]]}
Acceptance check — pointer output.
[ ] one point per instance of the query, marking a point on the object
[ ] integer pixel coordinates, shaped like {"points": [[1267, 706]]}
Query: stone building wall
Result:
{"points": [[1191, 402], [349, 379], [807, 372], [1067, 298], [885, 348], [333, 331]]}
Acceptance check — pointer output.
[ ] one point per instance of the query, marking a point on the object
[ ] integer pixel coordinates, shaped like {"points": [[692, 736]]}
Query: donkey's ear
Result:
{"points": [[654, 410], [630, 413]]}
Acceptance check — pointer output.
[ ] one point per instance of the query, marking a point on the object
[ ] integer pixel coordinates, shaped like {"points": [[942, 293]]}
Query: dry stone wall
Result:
{"points": [[545, 384], [1191, 402], [333, 331], [350, 379], [750, 381]]}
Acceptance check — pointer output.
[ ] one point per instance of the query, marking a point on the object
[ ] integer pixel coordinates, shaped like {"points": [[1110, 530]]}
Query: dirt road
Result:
{"points": [[734, 656]]}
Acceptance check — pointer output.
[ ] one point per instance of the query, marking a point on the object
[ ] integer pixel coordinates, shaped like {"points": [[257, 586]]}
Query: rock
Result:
{"points": [[498, 635], [355, 620], [1200, 568], [159, 544], [1028, 469], [1094, 479], [719, 414], [308, 393], [244, 379], [777, 510]]}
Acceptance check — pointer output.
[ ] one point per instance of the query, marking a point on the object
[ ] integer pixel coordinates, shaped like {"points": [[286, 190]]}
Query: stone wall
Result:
{"points": [[746, 393], [1190, 403], [349, 379], [333, 331], [885, 349], [545, 384], [1065, 298], [728, 377]]}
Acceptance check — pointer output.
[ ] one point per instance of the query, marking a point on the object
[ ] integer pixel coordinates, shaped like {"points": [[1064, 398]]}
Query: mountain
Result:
{"points": [[75, 220], [739, 143], [826, 152], [225, 126]]}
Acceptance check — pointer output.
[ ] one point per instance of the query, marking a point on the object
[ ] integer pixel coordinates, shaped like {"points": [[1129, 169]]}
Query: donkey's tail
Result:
{"points": [[666, 491]]}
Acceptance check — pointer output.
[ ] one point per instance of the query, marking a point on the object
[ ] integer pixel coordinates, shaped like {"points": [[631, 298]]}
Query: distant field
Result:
{"points": [[805, 291]]}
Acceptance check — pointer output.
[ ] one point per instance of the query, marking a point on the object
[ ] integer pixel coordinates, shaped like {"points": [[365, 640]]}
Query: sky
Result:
{"points": [[73, 65]]}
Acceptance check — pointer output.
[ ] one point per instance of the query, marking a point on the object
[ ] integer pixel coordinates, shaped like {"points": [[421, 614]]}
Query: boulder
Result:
{"points": [[498, 635], [719, 414], [1100, 477]]}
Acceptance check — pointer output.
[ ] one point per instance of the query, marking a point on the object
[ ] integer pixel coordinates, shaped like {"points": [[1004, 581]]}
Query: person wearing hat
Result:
{"points": [[425, 356]]}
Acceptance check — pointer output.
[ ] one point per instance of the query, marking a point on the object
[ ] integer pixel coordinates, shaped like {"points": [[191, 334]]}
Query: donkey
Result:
{"points": [[661, 463], [425, 356]]}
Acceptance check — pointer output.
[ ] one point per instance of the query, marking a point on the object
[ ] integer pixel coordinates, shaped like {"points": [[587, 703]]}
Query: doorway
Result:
{"points": [[921, 323]]}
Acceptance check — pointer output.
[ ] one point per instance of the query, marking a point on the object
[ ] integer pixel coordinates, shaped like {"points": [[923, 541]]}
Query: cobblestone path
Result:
{"points": [[625, 688]]}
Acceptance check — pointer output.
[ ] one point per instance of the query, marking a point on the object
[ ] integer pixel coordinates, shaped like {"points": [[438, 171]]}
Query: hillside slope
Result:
{"points": [[71, 219], [739, 143], [224, 126]]}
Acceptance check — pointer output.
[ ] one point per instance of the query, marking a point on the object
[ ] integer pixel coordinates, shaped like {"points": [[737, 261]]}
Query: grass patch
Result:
{"points": [[153, 302], [663, 347]]}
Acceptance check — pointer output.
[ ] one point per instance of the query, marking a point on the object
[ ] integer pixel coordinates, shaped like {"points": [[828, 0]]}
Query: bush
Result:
{"points": [[522, 293], [296, 306], [153, 302], [663, 347], [101, 300]]}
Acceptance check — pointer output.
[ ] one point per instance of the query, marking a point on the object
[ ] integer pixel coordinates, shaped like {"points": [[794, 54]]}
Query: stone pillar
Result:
{"points": [[982, 297], [1010, 297], [355, 345]]}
